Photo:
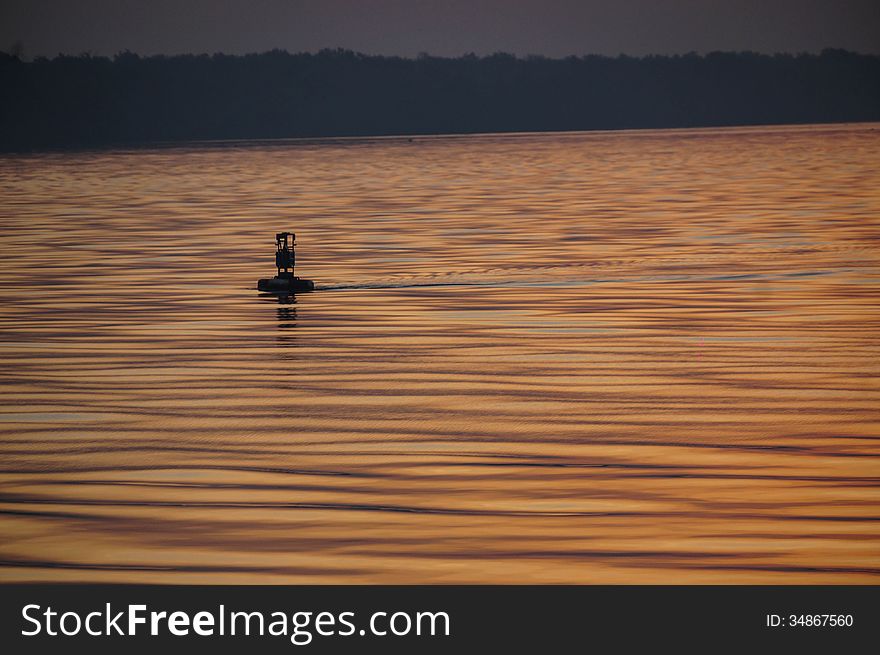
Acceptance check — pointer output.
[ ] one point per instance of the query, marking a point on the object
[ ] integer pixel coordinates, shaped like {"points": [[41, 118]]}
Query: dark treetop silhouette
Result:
{"points": [[86, 101]]}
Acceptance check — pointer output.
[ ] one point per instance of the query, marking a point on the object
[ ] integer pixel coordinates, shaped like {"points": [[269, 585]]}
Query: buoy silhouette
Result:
{"points": [[285, 260]]}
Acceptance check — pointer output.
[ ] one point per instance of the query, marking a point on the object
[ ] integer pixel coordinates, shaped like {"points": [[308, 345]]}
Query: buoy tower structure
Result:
{"points": [[286, 280]]}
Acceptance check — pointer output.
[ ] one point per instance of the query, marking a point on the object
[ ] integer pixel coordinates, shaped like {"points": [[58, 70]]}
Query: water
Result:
{"points": [[594, 358]]}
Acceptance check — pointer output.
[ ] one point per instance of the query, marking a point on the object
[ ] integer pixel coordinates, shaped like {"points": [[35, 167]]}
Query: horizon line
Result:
{"points": [[122, 146], [426, 55]]}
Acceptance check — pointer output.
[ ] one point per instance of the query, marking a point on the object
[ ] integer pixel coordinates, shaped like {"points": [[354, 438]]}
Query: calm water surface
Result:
{"points": [[593, 358]]}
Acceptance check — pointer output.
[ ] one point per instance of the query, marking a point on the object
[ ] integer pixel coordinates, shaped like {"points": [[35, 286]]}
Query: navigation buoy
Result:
{"points": [[285, 261]]}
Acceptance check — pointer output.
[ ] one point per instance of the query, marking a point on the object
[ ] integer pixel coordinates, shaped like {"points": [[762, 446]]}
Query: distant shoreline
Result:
{"points": [[415, 138], [129, 101]]}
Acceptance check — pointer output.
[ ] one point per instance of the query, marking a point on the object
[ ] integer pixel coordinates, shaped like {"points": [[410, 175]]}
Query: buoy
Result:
{"points": [[285, 261]]}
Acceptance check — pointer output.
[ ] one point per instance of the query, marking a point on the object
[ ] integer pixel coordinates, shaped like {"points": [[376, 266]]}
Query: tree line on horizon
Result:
{"points": [[86, 101]]}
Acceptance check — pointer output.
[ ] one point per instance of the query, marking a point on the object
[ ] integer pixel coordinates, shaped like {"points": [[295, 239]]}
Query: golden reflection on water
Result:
{"points": [[594, 358]]}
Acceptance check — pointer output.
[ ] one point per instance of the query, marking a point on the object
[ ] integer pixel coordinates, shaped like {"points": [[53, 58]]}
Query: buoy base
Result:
{"points": [[285, 285]]}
